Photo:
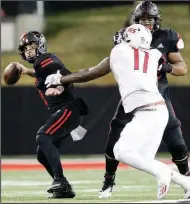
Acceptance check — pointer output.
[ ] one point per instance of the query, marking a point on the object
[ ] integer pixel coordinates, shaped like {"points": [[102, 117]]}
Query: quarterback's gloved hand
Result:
{"points": [[53, 79], [165, 68]]}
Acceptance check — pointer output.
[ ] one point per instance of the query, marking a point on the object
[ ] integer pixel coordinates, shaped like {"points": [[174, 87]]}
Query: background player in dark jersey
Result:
{"points": [[169, 43], [64, 106]]}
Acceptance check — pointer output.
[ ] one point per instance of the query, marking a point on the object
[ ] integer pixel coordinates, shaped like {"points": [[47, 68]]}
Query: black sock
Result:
{"points": [[182, 164], [183, 168], [111, 165], [43, 160], [51, 153]]}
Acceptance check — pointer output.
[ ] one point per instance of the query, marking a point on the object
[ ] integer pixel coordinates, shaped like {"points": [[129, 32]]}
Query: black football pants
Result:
{"points": [[50, 136]]}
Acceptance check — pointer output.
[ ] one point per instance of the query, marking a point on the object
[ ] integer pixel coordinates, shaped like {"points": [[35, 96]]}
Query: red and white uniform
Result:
{"points": [[135, 71]]}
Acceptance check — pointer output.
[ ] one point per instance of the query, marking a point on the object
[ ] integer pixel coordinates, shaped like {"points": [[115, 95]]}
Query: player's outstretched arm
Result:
{"points": [[179, 67], [84, 75]]}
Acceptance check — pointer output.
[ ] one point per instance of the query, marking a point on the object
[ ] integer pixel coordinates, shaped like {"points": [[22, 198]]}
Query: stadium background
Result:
{"points": [[81, 35]]}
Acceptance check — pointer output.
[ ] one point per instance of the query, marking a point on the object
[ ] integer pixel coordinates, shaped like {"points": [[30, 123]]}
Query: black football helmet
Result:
{"points": [[36, 40], [147, 14]]}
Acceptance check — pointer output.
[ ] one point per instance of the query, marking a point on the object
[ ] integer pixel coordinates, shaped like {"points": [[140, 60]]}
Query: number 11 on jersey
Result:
{"points": [[136, 60]]}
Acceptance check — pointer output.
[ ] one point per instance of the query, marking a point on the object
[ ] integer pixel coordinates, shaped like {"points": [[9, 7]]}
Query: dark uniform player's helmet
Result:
{"points": [[37, 42], [148, 14]]}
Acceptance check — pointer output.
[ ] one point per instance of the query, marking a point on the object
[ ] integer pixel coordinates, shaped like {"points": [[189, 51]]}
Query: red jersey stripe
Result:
{"points": [[49, 62], [46, 60]]}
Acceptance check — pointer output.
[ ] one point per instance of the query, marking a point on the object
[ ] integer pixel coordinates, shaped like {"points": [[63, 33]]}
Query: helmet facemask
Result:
{"points": [[147, 14], [152, 23], [148, 22], [29, 51]]}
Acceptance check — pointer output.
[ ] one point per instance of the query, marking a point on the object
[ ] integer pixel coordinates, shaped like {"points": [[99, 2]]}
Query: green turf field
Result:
{"points": [[83, 38], [31, 186]]}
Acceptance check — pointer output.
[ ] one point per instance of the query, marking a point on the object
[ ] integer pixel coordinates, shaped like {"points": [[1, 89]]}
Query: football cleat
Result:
{"points": [[61, 189], [187, 191], [163, 186], [107, 188]]}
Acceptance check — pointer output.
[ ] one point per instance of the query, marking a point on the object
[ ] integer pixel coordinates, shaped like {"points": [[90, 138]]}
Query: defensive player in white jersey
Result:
{"points": [[134, 66]]}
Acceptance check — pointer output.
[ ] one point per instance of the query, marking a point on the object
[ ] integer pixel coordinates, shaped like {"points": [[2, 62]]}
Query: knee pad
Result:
{"points": [[180, 154], [41, 139]]}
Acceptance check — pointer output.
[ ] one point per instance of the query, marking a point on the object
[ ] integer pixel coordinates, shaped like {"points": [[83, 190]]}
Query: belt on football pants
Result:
{"points": [[146, 107]]}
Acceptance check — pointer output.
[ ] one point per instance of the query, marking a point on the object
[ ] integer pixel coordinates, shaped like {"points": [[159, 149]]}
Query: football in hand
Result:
{"points": [[12, 74]]}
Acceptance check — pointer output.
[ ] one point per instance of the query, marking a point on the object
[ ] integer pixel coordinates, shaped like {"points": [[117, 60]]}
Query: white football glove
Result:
{"points": [[53, 79]]}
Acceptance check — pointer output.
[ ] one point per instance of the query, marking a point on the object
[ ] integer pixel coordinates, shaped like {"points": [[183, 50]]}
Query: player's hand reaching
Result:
{"points": [[53, 79], [165, 68], [24, 70], [21, 67]]}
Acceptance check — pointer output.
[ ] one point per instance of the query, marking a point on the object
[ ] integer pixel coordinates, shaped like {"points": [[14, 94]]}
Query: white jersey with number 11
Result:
{"points": [[135, 71]]}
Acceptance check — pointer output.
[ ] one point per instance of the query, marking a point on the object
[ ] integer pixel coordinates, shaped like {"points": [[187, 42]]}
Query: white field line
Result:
{"points": [[29, 185], [112, 201], [88, 192], [44, 183], [122, 185], [34, 161]]}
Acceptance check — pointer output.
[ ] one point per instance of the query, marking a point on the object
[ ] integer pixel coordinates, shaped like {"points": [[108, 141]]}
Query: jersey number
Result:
{"points": [[136, 61]]}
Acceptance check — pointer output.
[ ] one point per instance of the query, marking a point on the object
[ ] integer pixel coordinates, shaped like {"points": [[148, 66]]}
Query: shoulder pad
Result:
{"points": [[175, 39], [44, 60]]}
